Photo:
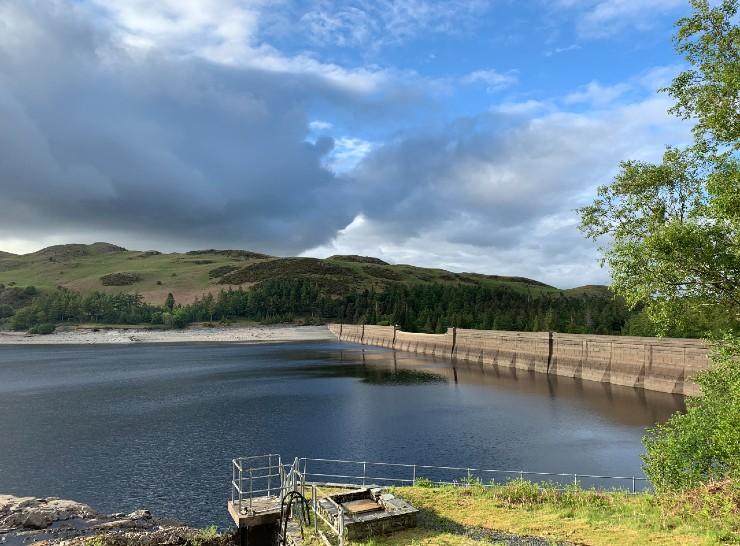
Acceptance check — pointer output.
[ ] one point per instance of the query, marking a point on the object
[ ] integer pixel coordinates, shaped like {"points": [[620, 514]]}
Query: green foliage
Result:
{"points": [[204, 537], [674, 231], [6, 310], [44, 329], [64, 305], [423, 482], [674, 227], [710, 40], [669, 248], [427, 307], [703, 444]]}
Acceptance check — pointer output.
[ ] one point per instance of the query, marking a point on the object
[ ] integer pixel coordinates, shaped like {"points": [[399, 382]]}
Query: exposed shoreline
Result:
{"points": [[221, 334]]}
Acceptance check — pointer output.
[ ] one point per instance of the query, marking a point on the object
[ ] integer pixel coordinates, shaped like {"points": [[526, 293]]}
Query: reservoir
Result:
{"points": [[156, 425]]}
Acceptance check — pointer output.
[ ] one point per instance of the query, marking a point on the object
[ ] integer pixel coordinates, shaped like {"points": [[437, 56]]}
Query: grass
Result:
{"points": [[462, 516], [189, 275]]}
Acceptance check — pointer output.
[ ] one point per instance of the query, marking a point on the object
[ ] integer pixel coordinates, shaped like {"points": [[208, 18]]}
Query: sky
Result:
{"points": [[460, 134]]}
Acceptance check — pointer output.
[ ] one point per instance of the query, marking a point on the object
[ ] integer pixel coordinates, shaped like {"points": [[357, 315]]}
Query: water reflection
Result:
{"points": [[626, 405]]}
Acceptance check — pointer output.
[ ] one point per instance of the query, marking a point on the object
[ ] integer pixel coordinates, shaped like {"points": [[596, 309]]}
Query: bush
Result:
{"points": [[6, 311], [43, 329], [30, 291], [702, 445]]}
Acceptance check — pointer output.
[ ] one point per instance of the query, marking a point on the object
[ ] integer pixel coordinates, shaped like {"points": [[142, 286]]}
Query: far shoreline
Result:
{"points": [[193, 334]]}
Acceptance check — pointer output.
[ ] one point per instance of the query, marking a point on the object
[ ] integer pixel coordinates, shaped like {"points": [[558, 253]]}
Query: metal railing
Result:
{"points": [[257, 476], [365, 473]]}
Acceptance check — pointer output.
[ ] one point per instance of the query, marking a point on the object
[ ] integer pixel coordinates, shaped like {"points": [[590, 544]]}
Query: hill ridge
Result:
{"points": [[108, 267]]}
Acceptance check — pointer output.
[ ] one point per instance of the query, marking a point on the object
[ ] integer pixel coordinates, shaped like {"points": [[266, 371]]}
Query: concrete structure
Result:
{"points": [[658, 364]]}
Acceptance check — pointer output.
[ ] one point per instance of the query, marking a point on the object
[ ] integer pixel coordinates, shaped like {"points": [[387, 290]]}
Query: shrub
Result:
{"points": [[6, 311], [43, 329], [702, 445], [119, 279], [30, 291]]}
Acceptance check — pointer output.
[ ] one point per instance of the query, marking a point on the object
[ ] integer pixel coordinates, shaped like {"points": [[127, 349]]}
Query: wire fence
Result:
{"points": [[364, 473]]}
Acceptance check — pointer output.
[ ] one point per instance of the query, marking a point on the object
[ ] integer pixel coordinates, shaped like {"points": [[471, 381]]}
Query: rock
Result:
{"points": [[39, 513], [140, 514]]}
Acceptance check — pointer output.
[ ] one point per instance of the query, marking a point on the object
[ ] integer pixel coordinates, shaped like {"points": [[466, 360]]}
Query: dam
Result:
{"points": [[658, 364]]}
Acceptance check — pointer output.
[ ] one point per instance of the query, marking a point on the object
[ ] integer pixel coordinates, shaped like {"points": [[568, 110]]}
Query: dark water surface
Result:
{"points": [[155, 426]]}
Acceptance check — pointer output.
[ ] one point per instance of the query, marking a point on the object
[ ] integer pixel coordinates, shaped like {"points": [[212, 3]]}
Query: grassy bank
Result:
{"points": [[460, 516]]}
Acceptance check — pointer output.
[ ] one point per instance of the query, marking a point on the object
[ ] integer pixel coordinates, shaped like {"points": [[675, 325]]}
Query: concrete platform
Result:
{"points": [[265, 510]]}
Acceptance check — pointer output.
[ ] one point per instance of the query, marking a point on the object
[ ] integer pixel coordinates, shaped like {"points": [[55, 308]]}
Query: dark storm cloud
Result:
{"points": [[96, 138]]}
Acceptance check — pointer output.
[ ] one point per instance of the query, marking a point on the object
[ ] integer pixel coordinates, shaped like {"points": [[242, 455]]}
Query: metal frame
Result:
{"points": [[245, 471]]}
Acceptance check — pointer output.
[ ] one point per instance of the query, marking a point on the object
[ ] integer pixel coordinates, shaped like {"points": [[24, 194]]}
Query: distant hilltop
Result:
{"points": [[109, 268], [110, 284]]}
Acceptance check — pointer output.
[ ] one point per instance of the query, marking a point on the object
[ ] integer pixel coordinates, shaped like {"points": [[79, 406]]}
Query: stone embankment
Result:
{"points": [[45, 521], [658, 364]]}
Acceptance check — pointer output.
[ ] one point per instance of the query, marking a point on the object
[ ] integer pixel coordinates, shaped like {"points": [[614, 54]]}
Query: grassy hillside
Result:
{"points": [[109, 268]]}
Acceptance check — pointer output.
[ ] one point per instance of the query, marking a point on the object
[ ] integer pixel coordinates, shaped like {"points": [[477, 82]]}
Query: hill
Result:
{"points": [[104, 283], [110, 268]]}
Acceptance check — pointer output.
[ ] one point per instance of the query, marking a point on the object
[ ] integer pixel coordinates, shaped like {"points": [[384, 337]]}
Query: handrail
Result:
{"points": [[469, 470]]}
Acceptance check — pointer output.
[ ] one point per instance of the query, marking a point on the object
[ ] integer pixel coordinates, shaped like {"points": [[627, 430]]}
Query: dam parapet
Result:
{"points": [[658, 364]]}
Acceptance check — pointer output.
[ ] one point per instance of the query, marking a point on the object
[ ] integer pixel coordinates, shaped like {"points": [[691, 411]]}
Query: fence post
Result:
{"points": [[250, 490], [315, 510], [413, 480], [364, 468], [575, 480], [269, 474], [340, 523], [521, 475], [241, 485], [634, 490]]}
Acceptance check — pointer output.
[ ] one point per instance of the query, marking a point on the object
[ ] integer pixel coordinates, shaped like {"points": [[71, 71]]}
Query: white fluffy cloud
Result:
{"points": [[498, 194]]}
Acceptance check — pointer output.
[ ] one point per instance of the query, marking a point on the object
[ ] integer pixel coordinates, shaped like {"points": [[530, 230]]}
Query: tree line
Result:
{"points": [[417, 308]]}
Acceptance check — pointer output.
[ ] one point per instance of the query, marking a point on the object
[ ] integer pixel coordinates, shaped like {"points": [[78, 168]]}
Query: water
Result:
{"points": [[155, 426]]}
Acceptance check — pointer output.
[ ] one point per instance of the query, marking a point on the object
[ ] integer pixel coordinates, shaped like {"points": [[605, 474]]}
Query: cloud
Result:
{"points": [[559, 50], [347, 153], [603, 18], [319, 125], [377, 23], [497, 194], [492, 79], [596, 94], [178, 150]]}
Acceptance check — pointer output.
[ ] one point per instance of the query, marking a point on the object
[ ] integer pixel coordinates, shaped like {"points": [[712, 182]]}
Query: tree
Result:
{"points": [[674, 246], [674, 228], [169, 303]]}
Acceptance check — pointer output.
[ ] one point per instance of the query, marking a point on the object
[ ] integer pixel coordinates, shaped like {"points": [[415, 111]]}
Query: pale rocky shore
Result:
{"points": [[226, 334], [47, 521]]}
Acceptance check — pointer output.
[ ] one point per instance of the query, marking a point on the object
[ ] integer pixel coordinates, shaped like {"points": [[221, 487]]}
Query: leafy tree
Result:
{"points": [[704, 443], [674, 247], [169, 303], [674, 228]]}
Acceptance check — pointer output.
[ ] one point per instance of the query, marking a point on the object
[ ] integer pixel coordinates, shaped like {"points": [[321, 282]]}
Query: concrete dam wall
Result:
{"points": [[658, 364]]}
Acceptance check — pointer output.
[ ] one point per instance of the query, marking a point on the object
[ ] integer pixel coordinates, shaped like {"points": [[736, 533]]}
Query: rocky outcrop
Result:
{"points": [[49, 520]]}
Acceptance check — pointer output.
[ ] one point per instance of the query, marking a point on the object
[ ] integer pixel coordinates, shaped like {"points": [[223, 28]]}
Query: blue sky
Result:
{"points": [[452, 133]]}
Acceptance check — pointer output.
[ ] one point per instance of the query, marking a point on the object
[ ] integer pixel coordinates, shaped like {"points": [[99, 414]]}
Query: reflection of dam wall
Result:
{"points": [[659, 364]]}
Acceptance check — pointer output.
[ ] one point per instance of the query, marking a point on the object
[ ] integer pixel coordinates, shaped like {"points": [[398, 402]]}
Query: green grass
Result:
{"points": [[189, 275], [462, 516]]}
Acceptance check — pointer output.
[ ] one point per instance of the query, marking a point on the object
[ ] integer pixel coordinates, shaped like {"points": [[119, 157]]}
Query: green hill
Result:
{"points": [[105, 283], [109, 268]]}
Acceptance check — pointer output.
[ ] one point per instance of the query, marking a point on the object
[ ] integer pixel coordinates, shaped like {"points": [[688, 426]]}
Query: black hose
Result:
{"points": [[290, 496]]}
